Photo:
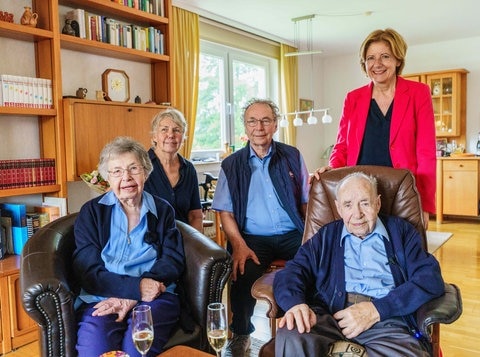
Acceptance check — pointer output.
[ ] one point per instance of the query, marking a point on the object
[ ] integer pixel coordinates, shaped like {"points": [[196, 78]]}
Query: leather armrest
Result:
{"points": [[262, 289], [208, 267], [47, 296], [444, 309]]}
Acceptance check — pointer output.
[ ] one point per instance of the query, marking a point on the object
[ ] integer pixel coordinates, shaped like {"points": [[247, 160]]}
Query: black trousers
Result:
{"points": [[385, 338], [267, 249]]}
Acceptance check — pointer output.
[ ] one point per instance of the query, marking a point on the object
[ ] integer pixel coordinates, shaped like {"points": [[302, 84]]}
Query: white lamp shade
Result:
{"points": [[326, 119], [312, 120], [283, 122], [297, 121]]}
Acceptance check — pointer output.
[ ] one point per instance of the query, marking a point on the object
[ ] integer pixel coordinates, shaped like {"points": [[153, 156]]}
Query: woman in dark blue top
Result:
{"points": [[174, 178]]}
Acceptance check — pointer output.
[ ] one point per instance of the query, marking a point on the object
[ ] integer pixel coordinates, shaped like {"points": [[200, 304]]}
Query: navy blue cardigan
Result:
{"points": [[92, 231], [316, 275]]}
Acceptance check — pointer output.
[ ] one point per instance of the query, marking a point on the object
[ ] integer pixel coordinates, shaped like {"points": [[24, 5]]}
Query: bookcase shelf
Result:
{"points": [[27, 111], [23, 33], [101, 48], [119, 11], [29, 190]]}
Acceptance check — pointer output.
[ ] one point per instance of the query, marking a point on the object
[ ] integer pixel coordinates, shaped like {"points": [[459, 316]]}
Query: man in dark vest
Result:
{"points": [[262, 194]]}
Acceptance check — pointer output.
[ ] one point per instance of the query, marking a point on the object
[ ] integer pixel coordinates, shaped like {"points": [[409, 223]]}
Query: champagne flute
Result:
{"points": [[142, 328], [217, 326]]}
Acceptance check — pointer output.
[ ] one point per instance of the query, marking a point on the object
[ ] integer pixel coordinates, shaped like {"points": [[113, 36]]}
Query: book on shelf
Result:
{"points": [[57, 201], [17, 211], [33, 223], [19, 231], [6, 223], [20, 237], [53, 211], [26, 92], [21, 173], [3, 241]]}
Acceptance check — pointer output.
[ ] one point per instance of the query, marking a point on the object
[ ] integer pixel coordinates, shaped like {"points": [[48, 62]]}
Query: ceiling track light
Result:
{"points": [[311, 120]]}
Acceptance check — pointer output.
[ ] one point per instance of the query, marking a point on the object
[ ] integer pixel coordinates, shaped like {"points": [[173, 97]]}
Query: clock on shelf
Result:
{"points": [[116, 85]]}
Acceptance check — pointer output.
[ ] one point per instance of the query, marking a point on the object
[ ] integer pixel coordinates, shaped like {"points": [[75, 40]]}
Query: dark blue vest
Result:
{"points": [[285, 173]]}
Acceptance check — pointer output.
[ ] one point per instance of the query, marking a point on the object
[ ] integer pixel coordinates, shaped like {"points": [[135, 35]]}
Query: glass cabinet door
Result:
{"points": [[444, 92]]}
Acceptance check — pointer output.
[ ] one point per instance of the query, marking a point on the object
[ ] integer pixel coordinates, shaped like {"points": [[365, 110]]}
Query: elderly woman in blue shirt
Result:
{"points": [[128, 252]]}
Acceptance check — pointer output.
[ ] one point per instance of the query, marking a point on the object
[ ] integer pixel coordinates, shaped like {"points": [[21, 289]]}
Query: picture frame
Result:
{"points": [[305, 105], [116, 85]]}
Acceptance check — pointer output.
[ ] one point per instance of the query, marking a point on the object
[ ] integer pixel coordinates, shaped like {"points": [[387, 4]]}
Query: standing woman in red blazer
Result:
{"points": [[390, 121]]}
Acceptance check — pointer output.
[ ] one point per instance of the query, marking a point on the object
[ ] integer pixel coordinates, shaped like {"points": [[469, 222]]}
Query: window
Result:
{"points": [[228, 79]]}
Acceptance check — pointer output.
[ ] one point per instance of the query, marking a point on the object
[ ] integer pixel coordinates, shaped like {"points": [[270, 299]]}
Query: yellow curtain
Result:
{"points": [[186, 61], [289, 91]]}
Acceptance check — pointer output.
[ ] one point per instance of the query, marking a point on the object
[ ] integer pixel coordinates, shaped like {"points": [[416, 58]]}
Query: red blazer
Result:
{"points": [[412, 134]]}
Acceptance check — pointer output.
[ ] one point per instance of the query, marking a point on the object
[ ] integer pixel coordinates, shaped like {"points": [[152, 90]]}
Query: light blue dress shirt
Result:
{"points": [[367, 270], [126, 252], [265, 214]]}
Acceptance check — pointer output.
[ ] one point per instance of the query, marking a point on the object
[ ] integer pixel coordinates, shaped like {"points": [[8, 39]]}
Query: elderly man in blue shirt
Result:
{"points": [[355, 285], [262, 192]]}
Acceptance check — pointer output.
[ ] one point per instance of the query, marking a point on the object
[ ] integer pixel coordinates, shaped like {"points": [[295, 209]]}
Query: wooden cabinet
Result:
{"points": [[89, 125], [448, 90], [16, 328], [458, 187]]}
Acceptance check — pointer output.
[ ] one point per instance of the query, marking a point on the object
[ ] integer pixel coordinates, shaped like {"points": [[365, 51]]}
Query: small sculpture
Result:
{"points": [[138, 100], [68, 29], [29, 18], [81, 93]]}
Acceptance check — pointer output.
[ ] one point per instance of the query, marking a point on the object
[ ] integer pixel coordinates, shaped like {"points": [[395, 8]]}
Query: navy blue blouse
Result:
{"points": [[185, 196], [376, 139]]}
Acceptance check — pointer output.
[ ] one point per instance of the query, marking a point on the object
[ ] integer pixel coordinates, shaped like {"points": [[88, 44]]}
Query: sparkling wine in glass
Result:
{"points": [[142, 328], [217, 326]]}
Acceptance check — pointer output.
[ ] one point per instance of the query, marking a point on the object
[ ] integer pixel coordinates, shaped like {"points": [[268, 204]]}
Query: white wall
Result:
{"points": [[334, 76]]}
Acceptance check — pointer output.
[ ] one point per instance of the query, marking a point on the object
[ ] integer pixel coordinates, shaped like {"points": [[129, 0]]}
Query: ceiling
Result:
{"points": [[340, 26]]}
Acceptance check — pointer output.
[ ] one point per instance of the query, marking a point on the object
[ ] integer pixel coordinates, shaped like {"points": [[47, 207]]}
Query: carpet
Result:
{"points": [[436, 239]]}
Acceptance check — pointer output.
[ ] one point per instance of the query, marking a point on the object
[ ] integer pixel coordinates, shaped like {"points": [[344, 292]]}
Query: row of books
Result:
{"points": [[18, 225], [27, 173], [152, 6], [30, 92], [105, 29]]}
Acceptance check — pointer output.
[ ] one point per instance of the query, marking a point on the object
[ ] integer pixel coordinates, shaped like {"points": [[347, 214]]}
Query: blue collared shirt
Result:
{"points": [[265, 214], [126, 252], [366, 263]]}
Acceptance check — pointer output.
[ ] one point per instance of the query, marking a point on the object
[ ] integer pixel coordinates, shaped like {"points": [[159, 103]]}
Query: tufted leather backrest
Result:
{"points": [[398, 194]]}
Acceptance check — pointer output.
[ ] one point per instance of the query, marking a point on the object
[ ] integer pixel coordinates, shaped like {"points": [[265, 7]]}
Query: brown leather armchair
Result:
{"points": [[399, 197], [49, 289]]}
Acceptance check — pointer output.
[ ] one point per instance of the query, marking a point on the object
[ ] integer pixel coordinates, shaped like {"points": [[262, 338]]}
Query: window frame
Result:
{"points": [[230, 55]]}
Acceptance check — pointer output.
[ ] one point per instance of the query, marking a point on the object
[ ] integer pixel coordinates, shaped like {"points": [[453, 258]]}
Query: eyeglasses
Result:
{"points": [[384, 57], [132, 170], [253, 122]]}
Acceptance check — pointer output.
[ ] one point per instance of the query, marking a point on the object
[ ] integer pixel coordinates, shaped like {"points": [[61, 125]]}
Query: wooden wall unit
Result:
{"points": [[16, 327], [49, 41], [458, 187], [90, 124]]}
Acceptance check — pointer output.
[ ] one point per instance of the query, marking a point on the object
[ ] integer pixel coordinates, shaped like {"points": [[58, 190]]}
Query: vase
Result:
{"points": [[29, 18]]}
